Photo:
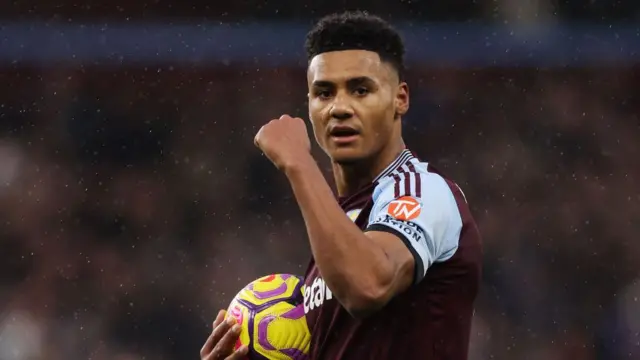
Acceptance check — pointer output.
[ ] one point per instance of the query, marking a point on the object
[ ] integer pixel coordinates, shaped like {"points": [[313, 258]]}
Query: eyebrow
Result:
{"points": [[350, 82]]}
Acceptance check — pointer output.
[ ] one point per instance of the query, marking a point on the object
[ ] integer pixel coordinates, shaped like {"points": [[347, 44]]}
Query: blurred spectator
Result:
{"points": [[133, 204], [126, 229]]}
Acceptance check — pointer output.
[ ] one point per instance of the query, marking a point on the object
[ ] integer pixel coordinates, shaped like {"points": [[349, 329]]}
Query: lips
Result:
{"points": [[342, 135], [343, 131]]}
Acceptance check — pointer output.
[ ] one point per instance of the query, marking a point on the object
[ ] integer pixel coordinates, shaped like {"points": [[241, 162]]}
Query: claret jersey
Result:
{"points": [[432, 319]]}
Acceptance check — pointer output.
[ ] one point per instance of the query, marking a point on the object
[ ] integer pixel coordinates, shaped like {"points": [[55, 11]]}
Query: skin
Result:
{"points": [[352, 88], [221, 342], [355, 88]]}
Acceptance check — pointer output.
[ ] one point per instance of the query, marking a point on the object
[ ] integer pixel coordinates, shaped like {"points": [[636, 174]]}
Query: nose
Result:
{"points": [[341, 109]]}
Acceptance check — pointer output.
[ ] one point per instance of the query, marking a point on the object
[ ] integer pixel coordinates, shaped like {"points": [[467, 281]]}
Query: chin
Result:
{"points": [[347, 156]]}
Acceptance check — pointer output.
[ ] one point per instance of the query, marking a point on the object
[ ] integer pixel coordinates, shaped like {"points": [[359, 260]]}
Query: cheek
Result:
{"points": [[317, 128], [382, 124], [317, 114], [381, 132]]}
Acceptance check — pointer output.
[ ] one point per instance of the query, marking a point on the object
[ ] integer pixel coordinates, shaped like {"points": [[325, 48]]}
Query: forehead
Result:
{"points": [[340, 66]]}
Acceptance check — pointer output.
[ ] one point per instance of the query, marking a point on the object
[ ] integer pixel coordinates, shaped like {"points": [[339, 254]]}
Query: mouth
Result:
{"points": [[343, 134]]}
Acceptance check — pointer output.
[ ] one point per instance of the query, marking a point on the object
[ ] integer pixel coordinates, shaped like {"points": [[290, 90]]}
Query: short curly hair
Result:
{"points": [[356, 30]]}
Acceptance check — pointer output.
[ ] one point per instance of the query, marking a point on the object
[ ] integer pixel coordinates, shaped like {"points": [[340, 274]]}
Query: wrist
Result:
{"points": [[299, 165]]}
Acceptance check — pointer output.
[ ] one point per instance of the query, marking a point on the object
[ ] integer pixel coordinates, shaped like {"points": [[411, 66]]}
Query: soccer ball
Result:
{"points": [[271, 313]]}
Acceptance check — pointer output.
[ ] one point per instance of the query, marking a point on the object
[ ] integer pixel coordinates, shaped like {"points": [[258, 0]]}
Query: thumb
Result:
{"points": [[256, 139]]}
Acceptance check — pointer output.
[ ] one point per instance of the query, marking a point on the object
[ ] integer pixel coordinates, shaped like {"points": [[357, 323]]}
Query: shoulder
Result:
{"points": [[419, 206], [414, 179], [424, 199]]}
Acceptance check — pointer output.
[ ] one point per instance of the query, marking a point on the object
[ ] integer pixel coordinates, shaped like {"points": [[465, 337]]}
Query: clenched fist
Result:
{"points": [[284, 141]]}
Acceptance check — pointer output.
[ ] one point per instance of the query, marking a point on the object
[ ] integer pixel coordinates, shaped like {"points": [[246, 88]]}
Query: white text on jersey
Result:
{"points": [[316, 294]]}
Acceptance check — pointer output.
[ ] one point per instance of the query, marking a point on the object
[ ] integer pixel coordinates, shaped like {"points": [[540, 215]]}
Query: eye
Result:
{"points": [[323, 94], [361, 91]]}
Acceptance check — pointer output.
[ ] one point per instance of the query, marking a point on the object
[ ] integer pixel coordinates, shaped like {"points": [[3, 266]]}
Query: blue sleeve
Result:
{"points": [[424, 215]]}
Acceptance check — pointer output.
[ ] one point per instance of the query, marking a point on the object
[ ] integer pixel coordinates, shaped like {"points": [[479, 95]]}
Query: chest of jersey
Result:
{"points": [[435, 314], [317, 294]]}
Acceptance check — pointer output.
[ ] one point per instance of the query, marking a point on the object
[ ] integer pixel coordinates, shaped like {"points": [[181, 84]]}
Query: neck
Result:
{"points": [[351, 177]]}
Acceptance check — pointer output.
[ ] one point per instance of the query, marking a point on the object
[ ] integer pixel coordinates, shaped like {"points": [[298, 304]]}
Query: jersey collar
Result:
{"points": [[402, 159]]}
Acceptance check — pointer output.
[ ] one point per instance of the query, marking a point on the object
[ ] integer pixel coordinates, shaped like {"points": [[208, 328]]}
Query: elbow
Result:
{"points": [[363, 310], [373, 295], [364, 303]]}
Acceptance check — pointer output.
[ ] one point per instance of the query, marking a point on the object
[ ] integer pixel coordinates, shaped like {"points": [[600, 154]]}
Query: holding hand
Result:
{"points": [[220, 344]]}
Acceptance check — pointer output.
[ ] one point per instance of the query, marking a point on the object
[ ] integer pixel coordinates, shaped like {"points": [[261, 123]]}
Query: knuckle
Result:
{"points": [[216, 334], [230, 337], [219, 352], [216, 353]]}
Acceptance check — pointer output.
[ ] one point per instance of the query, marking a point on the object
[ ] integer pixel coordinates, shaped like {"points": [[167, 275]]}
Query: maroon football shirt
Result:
{"points": [[431, 320]]}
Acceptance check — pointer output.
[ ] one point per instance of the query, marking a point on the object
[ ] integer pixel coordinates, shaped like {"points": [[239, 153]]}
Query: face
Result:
{"points": [[355, 104]]}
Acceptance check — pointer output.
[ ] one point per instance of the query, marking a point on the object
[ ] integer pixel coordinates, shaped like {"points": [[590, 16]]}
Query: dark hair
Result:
{"points": [[356, 30]]}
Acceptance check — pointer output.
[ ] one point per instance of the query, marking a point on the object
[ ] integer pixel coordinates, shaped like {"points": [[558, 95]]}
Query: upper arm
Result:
{"points": [[401, 261], [424, 216]]}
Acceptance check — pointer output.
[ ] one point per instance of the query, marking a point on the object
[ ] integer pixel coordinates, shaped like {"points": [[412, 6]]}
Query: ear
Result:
{"points": [[402, 99]]}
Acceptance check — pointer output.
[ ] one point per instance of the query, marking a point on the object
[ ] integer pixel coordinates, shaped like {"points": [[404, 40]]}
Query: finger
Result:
{"points": [[220, 329], [225, 346], [239, 354], [256, 139], [219, 318], [209, 343]]}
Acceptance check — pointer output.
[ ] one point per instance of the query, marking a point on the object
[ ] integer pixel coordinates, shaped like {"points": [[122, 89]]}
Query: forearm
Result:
{"points": [[353, 266]]}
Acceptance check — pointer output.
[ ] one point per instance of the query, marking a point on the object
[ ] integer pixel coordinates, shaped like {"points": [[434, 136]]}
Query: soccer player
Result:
{"points": [[397, 257]]}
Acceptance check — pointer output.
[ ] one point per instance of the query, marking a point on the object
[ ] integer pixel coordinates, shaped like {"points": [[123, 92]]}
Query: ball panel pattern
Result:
{"points": [[271, 313]]}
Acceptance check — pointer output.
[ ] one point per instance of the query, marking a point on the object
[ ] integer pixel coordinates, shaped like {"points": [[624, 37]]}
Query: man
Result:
{"points": [[397, 259]]}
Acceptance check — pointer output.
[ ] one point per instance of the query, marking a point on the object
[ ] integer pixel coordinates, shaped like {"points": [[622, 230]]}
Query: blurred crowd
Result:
{"points": [[250, 10], [133, 204]]}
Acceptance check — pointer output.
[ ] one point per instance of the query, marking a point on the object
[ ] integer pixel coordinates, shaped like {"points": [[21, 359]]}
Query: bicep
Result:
{"points": [[408, 242], [401, 259]]}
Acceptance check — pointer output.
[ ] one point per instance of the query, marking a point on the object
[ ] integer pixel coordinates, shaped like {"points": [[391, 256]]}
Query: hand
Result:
{"points": [[220, 344], [284, 141]]}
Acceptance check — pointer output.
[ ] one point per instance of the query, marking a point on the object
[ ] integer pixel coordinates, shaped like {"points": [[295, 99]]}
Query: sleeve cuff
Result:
{"points": [[418, 268]]}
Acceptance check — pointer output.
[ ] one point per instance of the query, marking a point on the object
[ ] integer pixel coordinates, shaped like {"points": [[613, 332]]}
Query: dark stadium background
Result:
{"points": [[133, 204]]}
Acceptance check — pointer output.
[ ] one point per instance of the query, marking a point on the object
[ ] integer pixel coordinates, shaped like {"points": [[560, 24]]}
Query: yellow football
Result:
{"points": [[271, 313]]}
